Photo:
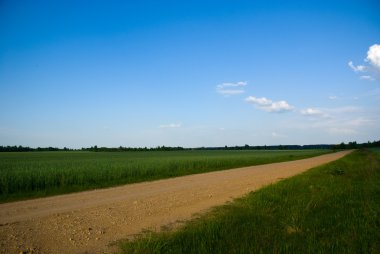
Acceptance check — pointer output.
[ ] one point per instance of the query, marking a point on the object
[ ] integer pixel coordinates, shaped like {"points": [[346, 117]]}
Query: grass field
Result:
{"points": [[36, 174], [330, 209]]}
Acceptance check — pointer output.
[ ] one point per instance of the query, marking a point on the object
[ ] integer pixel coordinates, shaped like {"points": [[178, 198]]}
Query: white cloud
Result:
{"points": [[311, 112], [357, 122], [171, 125], [333, 97], [367, 77], [341, 131], [358, 68], [231, 88], [340, 121], [342, 124], [277, 135], [373, 55], [259, 101], [269, 105], [237, 84], [230, 92], [343, 110]]}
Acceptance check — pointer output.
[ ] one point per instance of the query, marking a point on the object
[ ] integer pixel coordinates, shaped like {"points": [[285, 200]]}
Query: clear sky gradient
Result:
{"points": [[188, 73]]}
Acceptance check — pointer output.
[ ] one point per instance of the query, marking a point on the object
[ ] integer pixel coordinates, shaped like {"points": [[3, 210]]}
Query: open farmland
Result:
{"points": [[87, 222], [333, 208], [37, 174]]}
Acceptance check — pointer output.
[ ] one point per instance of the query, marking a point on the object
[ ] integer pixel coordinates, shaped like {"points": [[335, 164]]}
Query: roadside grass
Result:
{"points": [[37, 174], [333, 208]]}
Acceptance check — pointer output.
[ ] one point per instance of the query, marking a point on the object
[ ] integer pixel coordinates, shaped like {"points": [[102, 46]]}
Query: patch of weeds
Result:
{"points": [[337, 171]]}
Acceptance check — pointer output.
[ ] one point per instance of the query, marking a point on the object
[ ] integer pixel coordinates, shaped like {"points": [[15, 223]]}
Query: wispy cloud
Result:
{"points": [[340, 121], [374, 93], [278, 135], [329, 113], [373, 58], [231, 88], [350, 126], [342, 110], [333, 97], [269, 105], [360, 121], [340, 131], [358, 68], [313, 112], [170, 126], [367, 77]]}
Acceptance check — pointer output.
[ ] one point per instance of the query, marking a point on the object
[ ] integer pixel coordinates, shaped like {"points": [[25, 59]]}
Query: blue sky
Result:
{"points": [[188, 73]]}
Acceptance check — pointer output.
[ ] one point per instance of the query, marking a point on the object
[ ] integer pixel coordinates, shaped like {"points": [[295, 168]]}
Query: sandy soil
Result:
{"points": [[89, 222]]}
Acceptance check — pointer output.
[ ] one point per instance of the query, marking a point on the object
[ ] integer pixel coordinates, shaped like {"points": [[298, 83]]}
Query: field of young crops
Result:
{"points": [[36, 174]]}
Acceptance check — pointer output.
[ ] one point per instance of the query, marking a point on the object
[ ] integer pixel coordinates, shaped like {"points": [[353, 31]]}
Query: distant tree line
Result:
{"points": [[349, 145], [265, 147], [131, 149], [29, 149], [354, 145], [90, 149]]}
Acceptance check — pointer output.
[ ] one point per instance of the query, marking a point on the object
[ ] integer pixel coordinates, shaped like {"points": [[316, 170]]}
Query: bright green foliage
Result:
{"points": [[330, 209], [33, 174]]}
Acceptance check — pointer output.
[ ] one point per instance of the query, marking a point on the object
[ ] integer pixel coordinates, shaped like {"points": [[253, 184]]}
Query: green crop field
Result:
{"points": [[333, 208], [36, 174]]}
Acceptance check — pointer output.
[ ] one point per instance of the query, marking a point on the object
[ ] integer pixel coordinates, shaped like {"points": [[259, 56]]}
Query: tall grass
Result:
{"points": [[35, 174], [330, 209]]}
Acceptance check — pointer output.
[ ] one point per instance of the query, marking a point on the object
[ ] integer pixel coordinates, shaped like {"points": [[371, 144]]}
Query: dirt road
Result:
{"points": [[88, 222]]}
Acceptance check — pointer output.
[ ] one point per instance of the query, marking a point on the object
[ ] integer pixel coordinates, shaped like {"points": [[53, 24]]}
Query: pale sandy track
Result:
{"points": [[87, 222]]}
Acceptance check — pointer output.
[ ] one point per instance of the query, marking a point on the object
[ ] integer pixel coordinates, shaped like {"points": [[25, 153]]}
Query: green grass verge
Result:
{"points": [[330, 209], [37, 174]]}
